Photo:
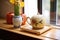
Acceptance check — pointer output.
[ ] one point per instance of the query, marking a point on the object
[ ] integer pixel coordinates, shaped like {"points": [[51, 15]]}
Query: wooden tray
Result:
{"points": [[38, 32]]}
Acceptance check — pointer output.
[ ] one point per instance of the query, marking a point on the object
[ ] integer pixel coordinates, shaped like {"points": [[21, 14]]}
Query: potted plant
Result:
{"points": [[17, 19]]}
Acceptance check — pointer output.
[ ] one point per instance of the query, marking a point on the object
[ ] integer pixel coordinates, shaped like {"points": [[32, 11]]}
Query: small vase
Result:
{"points": [[17, 21]]}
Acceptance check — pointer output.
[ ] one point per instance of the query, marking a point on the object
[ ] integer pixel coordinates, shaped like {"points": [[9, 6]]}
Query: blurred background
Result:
{"points": [[6, 6]]}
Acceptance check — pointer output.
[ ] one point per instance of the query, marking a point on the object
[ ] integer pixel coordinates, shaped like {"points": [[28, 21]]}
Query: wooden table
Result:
{"points": [[53, 34]]}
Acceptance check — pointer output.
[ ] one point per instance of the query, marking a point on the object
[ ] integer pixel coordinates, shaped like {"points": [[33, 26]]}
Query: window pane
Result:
{"points": [[58, 13], [46, 10], [53, 12], [30, 7]]}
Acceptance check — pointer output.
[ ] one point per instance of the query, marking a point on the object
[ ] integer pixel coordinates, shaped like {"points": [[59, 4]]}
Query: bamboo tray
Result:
{"points": [[38, 32]]}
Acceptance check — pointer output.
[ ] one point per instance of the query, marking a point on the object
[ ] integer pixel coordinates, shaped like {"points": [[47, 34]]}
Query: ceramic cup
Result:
{"points": [[36, 21]]}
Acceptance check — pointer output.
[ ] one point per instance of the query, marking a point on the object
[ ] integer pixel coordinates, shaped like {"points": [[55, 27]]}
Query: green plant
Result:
{"points": [[16, 8]]}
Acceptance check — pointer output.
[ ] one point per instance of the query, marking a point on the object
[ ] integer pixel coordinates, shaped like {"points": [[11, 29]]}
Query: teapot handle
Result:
{"points": [[29, 20]]}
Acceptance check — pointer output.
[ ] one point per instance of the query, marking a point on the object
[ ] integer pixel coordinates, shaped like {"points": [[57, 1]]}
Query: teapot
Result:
{"points": [[36, 21]]}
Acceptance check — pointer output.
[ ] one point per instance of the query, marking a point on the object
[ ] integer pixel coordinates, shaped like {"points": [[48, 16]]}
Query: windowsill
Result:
{"points": [[42, 36]]}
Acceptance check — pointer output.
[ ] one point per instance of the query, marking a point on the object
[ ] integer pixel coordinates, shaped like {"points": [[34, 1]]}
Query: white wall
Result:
{"points": [[5, 8], [30, 7]]}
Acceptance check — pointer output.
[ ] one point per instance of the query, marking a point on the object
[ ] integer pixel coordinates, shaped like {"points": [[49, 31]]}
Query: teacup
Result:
{"points": [[36, 21]]}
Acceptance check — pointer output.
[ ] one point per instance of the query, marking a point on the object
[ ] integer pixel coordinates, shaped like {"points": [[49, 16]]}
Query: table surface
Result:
{"points": [[53, 34]]}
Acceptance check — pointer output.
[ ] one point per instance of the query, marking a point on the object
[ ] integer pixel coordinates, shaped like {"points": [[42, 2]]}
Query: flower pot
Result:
{"points": [[17, 21], [9, 17]]}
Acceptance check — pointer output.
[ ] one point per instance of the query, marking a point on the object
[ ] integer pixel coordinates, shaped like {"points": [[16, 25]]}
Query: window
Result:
{"points": [[53, 12], [45, 7], [58, 13], [46, 10], [30, 8]]}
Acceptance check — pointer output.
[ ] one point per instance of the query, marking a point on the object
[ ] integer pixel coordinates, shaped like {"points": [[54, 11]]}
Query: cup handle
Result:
{"points": [[29, 20]]}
